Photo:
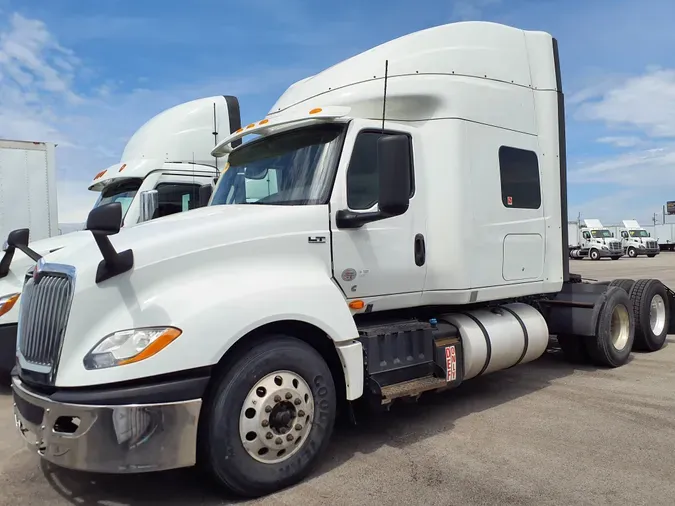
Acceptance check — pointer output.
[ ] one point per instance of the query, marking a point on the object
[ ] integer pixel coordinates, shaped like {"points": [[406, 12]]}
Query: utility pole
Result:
{"points": [[654, 219]]}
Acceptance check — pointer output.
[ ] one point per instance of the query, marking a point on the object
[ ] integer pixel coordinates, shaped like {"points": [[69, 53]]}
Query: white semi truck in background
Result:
{"points": [[166, 167], [595, 242], [635, 240], [231, 335], [28, 188]]}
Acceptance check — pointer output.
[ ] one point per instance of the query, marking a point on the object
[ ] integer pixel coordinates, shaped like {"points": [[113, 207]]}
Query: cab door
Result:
{"points": [[382, 258]]}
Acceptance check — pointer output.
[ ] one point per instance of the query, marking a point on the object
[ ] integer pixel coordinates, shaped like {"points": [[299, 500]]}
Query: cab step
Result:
{"points": [[412, 388]]}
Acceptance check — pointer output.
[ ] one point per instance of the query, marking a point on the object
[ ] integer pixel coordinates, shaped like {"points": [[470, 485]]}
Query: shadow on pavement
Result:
{"points": [[404, 425]]}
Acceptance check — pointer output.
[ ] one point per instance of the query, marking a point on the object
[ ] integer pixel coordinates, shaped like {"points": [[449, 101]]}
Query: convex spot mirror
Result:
{"points": [[255, 172], [149, 201]]}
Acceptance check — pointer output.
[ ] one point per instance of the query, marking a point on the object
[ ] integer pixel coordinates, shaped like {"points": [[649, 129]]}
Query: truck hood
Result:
{"points": [[196, 232], [21, 262]]}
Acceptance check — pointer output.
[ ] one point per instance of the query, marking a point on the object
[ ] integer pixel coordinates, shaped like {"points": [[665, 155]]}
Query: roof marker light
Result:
{"points": [[263, 122], [124, 166], [250, 126], [316, 111]]}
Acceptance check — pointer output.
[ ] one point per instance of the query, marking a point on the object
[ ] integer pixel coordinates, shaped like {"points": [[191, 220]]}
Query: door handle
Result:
{"points": [[420, 250]]}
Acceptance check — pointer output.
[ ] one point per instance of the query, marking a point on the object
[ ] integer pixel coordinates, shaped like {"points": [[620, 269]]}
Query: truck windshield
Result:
{"points": [[638, 233], [290, 168], [601, 233], [122, 192]]}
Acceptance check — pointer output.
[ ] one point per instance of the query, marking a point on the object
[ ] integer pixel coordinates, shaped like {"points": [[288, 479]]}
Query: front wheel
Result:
{"points": [[595, 254], [632, 252], [270, 417], [651, 255]]}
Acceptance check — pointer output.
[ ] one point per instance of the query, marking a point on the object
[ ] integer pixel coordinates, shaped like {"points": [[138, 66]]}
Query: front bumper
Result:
{"points": [[7, 348], [129, 438], [604, 253]]}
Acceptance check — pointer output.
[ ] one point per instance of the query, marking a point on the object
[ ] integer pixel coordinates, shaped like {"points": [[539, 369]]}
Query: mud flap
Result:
{"points": [[671, 308]]}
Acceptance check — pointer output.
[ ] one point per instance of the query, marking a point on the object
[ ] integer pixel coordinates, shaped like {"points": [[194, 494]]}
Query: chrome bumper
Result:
{"points": [[108, 439]]}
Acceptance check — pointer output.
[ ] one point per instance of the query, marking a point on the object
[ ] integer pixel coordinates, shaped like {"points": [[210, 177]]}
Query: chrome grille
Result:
{"points": [[43, 316], [651, 244], [614, 246]]}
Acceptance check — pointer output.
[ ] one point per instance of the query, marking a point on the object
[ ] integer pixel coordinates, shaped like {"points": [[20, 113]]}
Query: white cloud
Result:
{"points": [[40, 99], [470, 10], [611, 209], [645, 103], [621, 141]]}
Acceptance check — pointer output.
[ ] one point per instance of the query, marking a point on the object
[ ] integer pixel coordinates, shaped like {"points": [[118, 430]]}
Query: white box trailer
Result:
{"points": [[28, 188]]}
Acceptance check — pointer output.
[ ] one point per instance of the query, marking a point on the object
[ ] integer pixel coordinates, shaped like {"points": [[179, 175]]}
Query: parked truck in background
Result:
{"points": [[231, 335], [28, 188], [595, 242], [636, 241], [166, 167]]}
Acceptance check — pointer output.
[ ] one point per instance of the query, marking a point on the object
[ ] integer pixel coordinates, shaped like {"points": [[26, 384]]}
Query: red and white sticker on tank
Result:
{"points": [[451, 362]]}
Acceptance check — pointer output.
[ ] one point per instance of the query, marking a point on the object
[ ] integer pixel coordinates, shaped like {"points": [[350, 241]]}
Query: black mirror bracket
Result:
{"points": [[102, 222], [17, 239]]}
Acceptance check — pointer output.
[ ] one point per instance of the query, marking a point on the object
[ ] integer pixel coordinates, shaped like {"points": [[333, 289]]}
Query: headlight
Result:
{"points": [[129, 346], [7, 302]]}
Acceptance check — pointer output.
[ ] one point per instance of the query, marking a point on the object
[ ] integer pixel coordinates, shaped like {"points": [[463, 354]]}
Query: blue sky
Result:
{"points": [[87, 74]]}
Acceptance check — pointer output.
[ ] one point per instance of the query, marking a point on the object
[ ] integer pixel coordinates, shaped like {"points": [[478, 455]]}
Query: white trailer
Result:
{"points": [[28, 188], [636, 240], [396, 253], [664, 235]]}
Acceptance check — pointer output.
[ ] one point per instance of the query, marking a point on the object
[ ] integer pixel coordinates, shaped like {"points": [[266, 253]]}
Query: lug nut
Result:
{"points": [[279, 441], [289, 395], [277, 398], [297, 402], [298, 427], [268, 409], [269, 435], [301, 413], [265, 423], [289, 437]]}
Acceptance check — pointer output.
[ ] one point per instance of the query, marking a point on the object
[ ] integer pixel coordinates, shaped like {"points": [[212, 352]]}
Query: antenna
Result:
{"points": [[384, 100], [215, 139]]}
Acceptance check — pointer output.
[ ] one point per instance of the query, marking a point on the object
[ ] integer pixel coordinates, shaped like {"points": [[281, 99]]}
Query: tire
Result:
{"points": [[651, 255], [626, 284], [594, 254], [615, 258], [651, 329], [574, 349], [222, 446], [615, 330], [632, 252]]}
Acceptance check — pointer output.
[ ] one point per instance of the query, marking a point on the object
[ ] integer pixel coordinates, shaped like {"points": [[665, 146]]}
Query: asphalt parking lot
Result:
{"points": [[541, 433]]}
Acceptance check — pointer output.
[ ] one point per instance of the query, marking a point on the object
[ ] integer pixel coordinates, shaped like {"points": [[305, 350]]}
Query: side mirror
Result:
{"points": [[149, 205], [205, 192], [612, 234], [393, 167], [105, 220], [255, 173], [18, 238]]}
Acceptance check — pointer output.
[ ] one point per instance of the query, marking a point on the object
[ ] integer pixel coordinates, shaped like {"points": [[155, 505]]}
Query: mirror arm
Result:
{"points": [[350, 219]]}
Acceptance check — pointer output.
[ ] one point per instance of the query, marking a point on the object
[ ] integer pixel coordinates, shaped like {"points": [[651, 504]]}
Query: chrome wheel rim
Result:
{"points": [[276, 417], [657, 314], [619, 328]]}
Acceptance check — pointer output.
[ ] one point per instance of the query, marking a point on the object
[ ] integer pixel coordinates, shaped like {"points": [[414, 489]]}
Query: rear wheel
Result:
{"points": [[615, 331], [270, 417], [651, 311], [626, 284]]}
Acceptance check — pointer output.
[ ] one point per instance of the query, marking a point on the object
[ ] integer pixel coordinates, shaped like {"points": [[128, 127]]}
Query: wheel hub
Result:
{"points": [[276, 417], [657, 314], [619, 327]]}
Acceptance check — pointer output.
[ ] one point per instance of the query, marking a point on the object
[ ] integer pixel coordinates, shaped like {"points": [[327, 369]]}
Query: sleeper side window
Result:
{"points": [[519, 174]]}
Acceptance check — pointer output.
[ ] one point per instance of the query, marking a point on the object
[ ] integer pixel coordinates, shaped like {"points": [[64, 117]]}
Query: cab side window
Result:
{"points": [[362, 177], [176, 198]]}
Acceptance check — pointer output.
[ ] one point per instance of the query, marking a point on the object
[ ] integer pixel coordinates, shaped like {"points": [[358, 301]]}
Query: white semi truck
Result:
{"points": [[635, 240], [231, 335], [166, 167], [595, 242]]}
